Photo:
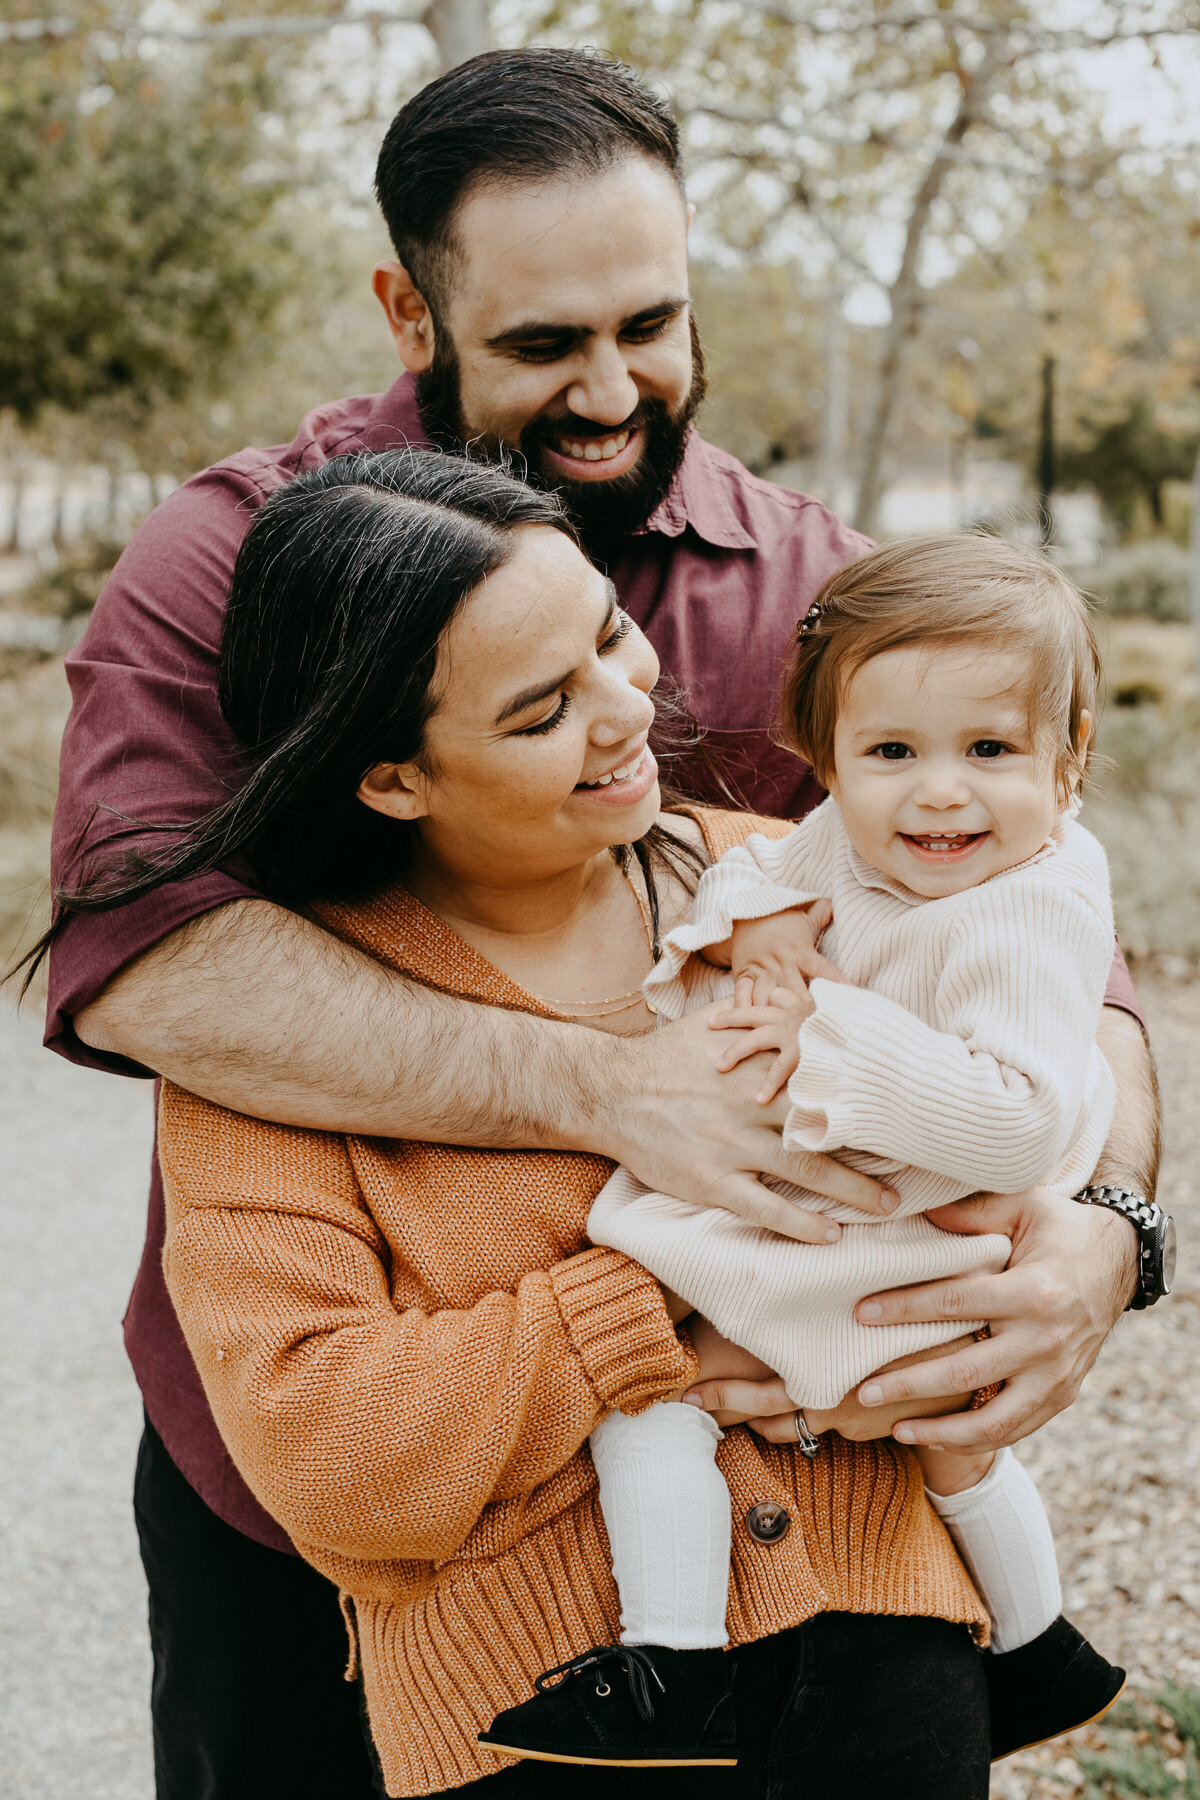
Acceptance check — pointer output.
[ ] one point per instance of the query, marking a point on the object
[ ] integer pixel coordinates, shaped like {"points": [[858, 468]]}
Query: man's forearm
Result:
{"points": [[266, 1013], [1131, 1154]]}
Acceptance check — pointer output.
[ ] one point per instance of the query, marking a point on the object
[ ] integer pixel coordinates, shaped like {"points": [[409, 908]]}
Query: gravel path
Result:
{"points": [[1120, 1471]]}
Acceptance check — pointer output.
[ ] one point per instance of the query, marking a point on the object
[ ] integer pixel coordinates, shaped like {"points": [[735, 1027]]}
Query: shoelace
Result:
{"points": [[636, 1663]]}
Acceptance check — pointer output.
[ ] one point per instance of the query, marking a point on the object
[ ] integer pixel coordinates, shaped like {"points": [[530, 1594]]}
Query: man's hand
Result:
{"points": [[762, 1403], [1071, 1274], [772, 1025], [780, 951], [683, 1128]]}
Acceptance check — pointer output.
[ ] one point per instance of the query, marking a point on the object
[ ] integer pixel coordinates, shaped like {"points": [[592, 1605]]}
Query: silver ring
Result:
{"points": [[807, 1444]]}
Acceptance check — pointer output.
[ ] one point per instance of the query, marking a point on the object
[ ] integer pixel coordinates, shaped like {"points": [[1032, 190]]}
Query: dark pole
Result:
{"points": [[1046, 472]]}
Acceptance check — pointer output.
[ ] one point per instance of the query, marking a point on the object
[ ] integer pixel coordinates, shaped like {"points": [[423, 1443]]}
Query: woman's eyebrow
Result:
{"points": [[542, 690]]}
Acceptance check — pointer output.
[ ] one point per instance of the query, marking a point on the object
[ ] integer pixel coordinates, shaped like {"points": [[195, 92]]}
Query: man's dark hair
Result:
{"points": [[508, 116]]}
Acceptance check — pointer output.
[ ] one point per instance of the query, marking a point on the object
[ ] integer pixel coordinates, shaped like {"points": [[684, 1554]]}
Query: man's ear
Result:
{"points": [[398, 790], [408, 315]]}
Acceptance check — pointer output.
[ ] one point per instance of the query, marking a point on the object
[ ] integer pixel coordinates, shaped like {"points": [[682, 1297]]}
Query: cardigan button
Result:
{"points": [[767, 1523]]}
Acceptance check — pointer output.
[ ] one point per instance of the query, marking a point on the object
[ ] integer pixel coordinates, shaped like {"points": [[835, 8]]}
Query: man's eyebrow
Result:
{"points": [[542, 690], [530, 331]]}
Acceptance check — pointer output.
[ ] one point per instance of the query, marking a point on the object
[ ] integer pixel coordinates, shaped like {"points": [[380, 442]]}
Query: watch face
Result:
{"points": [[1168, 1255]]}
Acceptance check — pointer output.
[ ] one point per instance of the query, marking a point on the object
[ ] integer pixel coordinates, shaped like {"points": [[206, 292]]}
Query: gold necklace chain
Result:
{"points": [[615, 1003]]}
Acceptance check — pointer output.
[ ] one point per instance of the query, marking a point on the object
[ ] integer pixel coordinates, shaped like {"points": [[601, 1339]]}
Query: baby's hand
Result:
{"points": [[775, 1026], [779, 952]]}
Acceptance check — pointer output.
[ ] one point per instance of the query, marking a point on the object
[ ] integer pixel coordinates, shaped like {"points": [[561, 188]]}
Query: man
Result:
{"points": [[539, 303]]}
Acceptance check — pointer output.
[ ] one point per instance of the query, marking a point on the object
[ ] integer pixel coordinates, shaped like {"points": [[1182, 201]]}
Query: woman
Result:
{"points": [[406, 1345]]}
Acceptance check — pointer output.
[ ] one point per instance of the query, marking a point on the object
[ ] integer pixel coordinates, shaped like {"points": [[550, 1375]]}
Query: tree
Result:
{"points": [[138, 246], [879, 142]]}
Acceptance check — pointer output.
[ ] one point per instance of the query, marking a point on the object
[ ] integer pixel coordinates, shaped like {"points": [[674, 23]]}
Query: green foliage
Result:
{"points": [[136, 250], [1127, 458], [71, 588], [1145, 809], [1140, 1761]]}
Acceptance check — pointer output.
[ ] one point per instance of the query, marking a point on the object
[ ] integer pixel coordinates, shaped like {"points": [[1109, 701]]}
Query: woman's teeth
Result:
{"points": [[595, 449], [616, 774]]}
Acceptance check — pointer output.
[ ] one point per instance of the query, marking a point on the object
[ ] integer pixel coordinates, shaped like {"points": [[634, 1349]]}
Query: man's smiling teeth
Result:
{"points": [[596, 449], [616, 774]]}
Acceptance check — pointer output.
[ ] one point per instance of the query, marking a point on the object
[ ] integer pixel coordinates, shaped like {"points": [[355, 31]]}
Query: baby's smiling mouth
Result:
{"points": [[943, 846]]}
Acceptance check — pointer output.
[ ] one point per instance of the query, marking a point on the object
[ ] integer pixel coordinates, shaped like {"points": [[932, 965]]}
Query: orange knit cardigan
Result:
{"points": [[406, 1346]]}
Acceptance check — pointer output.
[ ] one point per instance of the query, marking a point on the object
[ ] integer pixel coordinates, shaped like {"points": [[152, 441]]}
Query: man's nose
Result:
{"points": [[603, 390]]}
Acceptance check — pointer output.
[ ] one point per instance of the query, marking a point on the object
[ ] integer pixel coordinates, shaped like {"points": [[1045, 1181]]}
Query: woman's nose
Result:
{"points": [[629, 713]]}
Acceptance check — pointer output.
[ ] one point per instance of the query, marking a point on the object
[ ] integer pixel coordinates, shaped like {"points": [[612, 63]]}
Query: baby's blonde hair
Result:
{"points": [[948, 591]]}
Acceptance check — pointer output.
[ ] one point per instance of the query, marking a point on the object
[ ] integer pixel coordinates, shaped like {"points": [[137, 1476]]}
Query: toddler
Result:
{"points": [[944, 691]]}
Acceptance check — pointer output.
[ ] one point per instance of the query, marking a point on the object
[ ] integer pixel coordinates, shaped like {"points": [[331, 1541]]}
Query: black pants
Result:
{"points": [[249, 1701], [846, 1707]]}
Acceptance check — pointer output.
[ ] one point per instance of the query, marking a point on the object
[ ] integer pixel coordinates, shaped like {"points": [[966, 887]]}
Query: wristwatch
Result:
{"points": [[1156, 1239]]}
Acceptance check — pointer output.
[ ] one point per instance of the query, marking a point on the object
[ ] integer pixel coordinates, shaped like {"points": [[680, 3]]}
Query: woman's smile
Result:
{"points": [[625, 785]]}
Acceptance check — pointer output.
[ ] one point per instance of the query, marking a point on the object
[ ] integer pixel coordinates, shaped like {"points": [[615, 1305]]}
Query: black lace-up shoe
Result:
{"points": [[1047, 1687], [627, 1708]]}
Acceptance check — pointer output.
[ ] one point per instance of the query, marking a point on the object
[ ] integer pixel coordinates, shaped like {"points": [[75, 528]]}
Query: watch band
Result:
{"points": [[1146, 1216]]}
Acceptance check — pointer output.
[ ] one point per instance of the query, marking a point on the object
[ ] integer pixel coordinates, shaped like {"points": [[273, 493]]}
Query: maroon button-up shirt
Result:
{"points": [[717, 581]]}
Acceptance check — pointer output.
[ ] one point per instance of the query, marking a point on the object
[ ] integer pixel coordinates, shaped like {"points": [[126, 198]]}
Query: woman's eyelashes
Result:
{"points": [[545, 725], [621, 628]]}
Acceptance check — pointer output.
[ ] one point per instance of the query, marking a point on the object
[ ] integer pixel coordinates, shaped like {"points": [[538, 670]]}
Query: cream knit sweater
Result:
{"points": [[962, 1058]]}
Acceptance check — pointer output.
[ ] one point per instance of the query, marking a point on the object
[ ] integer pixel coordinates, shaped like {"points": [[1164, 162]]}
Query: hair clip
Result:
{"points": [[806, 625]]}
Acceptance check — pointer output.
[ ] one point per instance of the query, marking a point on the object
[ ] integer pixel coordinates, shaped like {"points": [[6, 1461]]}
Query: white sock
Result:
{"points": [[666, 1509], [1001, 1531]]}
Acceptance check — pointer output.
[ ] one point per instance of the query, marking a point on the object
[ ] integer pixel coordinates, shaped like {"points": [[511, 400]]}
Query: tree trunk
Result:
{"points": [[460, 29], [905, 291], [1047, 465], [834, 426], [1195, 563]]}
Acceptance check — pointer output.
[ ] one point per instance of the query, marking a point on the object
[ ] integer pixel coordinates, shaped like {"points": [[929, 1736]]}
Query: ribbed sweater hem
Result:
{"points": [[437, 1670]]}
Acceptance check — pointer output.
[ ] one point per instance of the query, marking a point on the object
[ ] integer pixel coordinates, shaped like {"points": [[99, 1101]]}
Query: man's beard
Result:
{"points": [[605, 512]]}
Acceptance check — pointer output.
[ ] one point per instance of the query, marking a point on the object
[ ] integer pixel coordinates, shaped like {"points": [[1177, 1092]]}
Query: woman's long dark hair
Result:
{"points": [[342, 589]]}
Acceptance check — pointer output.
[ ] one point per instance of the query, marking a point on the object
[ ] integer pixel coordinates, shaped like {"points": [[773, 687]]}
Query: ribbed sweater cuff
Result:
{"points": [[819, 1118], [618, 1322]]}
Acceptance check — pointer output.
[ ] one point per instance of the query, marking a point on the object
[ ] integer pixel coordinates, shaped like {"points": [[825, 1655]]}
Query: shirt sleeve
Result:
{"points": [[754, 880], [1121, 992], [994, 1093], [370, 1425], [146, 743]]}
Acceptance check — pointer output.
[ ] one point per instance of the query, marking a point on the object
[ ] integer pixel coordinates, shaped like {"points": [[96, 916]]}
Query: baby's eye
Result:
{"points": [[891, 752], [988, 749]]}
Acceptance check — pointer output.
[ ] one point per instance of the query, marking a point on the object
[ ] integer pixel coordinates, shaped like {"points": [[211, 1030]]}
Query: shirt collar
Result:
{"points": [[700, 496]]}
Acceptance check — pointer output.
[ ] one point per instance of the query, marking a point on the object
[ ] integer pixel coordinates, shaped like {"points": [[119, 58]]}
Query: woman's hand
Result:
{"points": [[763, 1404], [722, 1364]]}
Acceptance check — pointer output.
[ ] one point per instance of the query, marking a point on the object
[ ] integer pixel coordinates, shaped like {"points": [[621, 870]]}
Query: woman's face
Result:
{"points": [[535, 756]]}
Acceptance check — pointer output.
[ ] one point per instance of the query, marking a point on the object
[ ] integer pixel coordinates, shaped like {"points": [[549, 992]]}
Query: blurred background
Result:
{"points": [[947, 270]]}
